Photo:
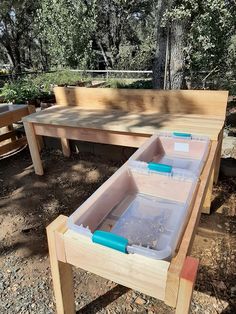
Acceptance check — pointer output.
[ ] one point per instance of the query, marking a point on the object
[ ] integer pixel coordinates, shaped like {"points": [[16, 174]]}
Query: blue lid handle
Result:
{"points": [[110, 240], [181, 134], [159, 167]]}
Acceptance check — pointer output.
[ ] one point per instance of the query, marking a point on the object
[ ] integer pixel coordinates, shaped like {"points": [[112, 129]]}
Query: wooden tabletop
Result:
{"points": [[120, 121]]}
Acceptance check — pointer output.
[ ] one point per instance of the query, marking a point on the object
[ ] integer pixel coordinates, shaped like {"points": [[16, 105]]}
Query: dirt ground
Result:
{"points": [[28, 203]]}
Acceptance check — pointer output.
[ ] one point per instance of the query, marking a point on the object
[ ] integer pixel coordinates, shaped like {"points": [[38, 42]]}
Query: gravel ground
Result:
{"points": [[28, 203]]}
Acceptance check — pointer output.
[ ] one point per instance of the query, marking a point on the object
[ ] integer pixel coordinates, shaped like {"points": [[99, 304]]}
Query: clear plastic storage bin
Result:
{"points": [[181, 151], [137, 212]]}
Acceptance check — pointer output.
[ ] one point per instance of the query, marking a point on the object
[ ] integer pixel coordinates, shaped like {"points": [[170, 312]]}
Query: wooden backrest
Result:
{"points": [[200, 102]]}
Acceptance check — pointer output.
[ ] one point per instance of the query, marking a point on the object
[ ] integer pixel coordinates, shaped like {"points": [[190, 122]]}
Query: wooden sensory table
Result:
{"points": [[128, 118]]}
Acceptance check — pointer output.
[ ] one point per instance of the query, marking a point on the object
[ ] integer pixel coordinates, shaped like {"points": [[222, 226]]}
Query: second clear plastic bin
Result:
{"points": [[182, 151]]}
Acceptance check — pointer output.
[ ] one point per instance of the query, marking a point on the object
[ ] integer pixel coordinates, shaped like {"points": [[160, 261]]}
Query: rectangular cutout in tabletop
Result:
{"points": [[147, 210], [181, 151]]}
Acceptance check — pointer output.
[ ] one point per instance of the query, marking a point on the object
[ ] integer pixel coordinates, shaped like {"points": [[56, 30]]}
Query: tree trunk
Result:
{"points": [[44, 56], [176, 62], [103, 54], [160, 55], [13, 52], [18, 65], [10, 55]]}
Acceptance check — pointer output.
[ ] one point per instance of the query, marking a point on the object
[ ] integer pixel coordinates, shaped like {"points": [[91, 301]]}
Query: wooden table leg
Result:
{"points": [[40, 142], [34, 147], [31, 110], [62, 275], [65, 147], [206, 209], [186, 285], [218, 157]]}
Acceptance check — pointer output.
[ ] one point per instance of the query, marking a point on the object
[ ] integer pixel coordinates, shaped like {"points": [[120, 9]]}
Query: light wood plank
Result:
{"points": [[62, 275], [206, 209], [116, 121], [186, 286], [186, 243], [131, 270], [92, 135], [65, 147], [218, 157], [34, 148], [187, 101], [32, 110]]}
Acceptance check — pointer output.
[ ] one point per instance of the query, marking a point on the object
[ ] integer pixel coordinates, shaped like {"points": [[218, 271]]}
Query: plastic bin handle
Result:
{"points": [[110, 240], [181, 134], [159, 167]]}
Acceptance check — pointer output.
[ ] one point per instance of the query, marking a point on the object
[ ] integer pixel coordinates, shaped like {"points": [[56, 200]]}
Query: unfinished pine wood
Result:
{"points": [[186, 243], [218, 156], [65, 147], [40, 143], [94, 116], [61, 272], [91, 135], [195, 191], [34, 147], [12, 145], [131, 270], [187, 281], [181, 101], [206, 209], [129, 122], [166, 281]]}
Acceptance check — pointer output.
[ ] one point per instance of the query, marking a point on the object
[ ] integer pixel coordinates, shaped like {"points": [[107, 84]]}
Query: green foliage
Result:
{"points": [[33, 87], [64, 31], [16, 31], [115, 34], [210, 35], [123, 25], [20, 91], [139, 84], [210, 26], [46, 81]]}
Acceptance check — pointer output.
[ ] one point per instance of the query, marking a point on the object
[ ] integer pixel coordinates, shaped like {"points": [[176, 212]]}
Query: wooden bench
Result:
{"points": [[128, 117]]}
